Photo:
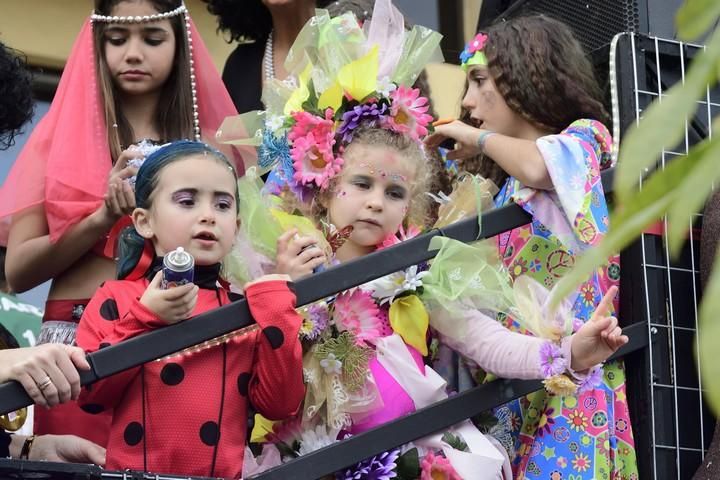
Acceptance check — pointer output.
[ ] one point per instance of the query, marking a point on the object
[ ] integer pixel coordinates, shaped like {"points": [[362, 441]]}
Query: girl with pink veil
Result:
{"points": [[138, 76]]}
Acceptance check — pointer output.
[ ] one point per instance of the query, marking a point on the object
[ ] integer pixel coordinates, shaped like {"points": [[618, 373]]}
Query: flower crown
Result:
{"points": [[473, 53], [344, 77]]}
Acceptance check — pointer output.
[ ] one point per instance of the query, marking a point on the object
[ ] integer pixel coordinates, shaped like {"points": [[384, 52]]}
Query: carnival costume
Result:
{"points": [[364, 347], [589, 435], [64, 167], [186, 413]]}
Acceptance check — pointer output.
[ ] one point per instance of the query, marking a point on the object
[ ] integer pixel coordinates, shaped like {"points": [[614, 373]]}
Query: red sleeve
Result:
{"points": [[112, 316], [277, 387]]}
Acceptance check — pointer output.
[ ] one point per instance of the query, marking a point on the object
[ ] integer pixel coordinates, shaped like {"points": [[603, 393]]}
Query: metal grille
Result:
{"points": [[595, 22], [673, 425]]}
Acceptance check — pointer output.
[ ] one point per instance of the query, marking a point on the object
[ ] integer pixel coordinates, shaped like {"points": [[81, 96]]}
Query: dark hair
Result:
{"points": [[174, 114], [245, 19], [543, 74], [15, 94], [131, 244]]}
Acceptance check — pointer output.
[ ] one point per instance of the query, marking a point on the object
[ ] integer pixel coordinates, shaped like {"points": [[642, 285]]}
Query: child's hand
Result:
{"points": [[465, 137], [171, 305], [297, 256], [599, 338]]}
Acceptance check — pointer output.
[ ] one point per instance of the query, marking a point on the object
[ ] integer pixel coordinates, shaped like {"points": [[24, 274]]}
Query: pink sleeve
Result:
{"points": [[499, 351]]}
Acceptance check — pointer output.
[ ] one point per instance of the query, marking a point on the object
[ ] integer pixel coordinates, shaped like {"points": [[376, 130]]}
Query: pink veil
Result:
{"points": [[65, 163]]}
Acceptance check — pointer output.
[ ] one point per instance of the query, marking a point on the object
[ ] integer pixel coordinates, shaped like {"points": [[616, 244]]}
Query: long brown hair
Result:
{"points": [[174, 114], [543, 74]]}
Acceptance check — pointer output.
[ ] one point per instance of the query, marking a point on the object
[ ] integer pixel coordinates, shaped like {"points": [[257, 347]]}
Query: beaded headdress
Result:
{"points": [[65, 163], [344, 76]]}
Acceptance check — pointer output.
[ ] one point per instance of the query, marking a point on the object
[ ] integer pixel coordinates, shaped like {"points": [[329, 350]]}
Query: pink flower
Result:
{"points": [[477, 43], [312, 140], [437, 468], [400, 236], [408, 112], [357, 312]]}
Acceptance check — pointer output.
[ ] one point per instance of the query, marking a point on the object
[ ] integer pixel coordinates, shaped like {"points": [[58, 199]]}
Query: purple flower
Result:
{"points": [[552, 361], [594, 379], [319, 318], [379, 467], [370, 114]]}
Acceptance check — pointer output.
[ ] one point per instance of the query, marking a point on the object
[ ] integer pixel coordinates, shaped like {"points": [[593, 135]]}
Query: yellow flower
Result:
{"points": [[410, 320], [560, 385], [578, 420]]}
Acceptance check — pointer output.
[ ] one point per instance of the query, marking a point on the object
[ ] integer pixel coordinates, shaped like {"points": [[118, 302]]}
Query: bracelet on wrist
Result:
{"points": [[560, 378], [482, 139]]}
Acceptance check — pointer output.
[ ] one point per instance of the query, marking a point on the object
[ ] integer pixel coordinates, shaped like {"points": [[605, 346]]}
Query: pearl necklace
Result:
{"points": [[268, 59]]}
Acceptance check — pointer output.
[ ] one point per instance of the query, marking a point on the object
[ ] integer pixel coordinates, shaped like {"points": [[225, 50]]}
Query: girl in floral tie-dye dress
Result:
{"points": [[535, 115]]}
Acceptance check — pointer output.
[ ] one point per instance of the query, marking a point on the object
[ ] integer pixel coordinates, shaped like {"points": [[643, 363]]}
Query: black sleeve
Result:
{"points": [[242, 76]]}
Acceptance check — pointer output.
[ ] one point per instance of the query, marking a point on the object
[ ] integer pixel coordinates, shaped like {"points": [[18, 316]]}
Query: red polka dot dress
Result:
{"points": [[186, 414]]}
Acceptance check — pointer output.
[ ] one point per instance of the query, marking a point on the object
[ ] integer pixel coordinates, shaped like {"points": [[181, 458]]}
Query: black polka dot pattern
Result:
{"points": [[172, 374], [243, 383], [210, 433], [275, 336], [92, 408], [109, 310], [133, 433]]}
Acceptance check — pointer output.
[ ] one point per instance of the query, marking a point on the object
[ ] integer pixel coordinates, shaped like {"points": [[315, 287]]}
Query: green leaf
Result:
{"points": [[627, 222], [692, 192], [695, 17], [708, 337], [455, 442], [663, 124], [408, 465]]}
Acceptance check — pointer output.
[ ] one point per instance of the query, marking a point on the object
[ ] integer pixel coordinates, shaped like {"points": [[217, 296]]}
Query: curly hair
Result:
{"points": [[543, 74], [15, 94], [245, 19]]}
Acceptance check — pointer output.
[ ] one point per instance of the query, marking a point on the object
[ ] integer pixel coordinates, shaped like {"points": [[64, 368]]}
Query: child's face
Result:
{"points": [[139, 55], [372, 194], [487, 107], [192, 206]]}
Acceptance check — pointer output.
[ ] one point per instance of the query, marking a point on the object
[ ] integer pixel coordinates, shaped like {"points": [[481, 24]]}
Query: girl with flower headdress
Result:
{"points": [[535, 117], [347, 142], [138, 75]]}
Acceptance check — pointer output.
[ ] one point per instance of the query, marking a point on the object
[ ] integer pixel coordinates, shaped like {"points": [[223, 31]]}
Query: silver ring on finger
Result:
{"points": [[45, 383]]}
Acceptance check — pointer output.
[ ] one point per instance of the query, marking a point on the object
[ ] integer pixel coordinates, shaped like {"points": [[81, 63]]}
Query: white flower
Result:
{"points": [[385, 289], [274, 122], [316, 438], [385, 86], [331, 364]]}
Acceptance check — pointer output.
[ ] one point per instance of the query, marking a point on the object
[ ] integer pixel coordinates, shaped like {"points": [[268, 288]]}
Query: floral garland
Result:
{"points": [[310, 155]]}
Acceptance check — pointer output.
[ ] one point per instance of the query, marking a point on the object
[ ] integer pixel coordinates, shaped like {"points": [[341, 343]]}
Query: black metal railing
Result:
{"points": [[226, 319]]}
